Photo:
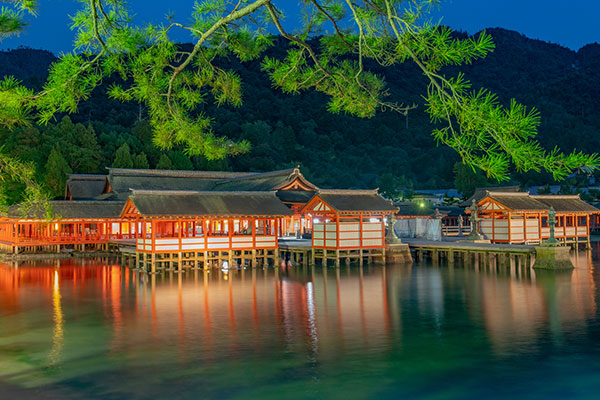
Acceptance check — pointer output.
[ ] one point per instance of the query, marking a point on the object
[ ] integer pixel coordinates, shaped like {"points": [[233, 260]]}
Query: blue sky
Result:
{"points": [[571, 23]]}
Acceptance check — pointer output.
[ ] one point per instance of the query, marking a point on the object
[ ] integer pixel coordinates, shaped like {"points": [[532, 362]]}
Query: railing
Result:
{"points": [[456, 230]]}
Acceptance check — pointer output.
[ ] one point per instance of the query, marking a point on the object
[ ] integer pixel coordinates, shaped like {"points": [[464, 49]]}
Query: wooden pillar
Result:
{"points": [[540, 226], [525, 228], [360, 254], [493, 227], [587, 230], [153, 227], [360, 233], [179, 234]]}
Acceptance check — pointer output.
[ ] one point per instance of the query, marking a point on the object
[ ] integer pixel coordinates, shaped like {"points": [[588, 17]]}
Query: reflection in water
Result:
{"points": [[256, 330], [57, 336]]}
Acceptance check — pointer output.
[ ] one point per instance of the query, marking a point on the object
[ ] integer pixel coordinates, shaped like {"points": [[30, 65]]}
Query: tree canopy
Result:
{"points": [[327, 53]]}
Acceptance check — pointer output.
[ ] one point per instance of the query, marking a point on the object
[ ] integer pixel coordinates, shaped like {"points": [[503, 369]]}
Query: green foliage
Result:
{"points": [[12, 19], [390, 186], [141, 161], [467, 179], [164, 162], [57, 172], [123, 158], [176, 83], [341, 52]]}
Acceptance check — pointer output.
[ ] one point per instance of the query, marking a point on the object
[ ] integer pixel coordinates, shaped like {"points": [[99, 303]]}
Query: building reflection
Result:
{"points": [[319, 312]]}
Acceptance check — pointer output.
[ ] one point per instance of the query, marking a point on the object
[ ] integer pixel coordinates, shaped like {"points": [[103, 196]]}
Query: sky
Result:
{"points": [[572, 23]]}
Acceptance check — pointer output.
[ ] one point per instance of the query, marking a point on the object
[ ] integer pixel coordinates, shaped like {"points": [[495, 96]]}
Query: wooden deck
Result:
{"points": [[470, 252]]}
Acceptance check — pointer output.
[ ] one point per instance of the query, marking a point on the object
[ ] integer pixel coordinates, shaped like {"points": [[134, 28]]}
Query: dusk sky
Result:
{"points": [[569, 23]]}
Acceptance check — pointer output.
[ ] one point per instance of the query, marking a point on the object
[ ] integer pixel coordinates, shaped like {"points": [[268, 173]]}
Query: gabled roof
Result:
{"points": [[526, 202], [267, 181], [480, 193], [295, 196], [562, 203], [207, 203], [121, 180], [71, 210], [519, 201], [354, 200], [84, 186]]}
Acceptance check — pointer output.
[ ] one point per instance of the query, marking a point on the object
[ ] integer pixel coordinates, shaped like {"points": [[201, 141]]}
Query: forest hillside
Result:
{"points": [[388, 151]]}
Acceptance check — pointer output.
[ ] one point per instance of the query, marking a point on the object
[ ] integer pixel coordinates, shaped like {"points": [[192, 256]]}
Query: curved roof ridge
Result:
{"points": [[556, 196], [515, 194], [347, 191], [71, 176], [256, 175], [200, 192]]}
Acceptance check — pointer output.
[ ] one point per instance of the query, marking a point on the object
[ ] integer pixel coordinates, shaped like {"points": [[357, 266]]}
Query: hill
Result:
{"points": [[335, 150]]}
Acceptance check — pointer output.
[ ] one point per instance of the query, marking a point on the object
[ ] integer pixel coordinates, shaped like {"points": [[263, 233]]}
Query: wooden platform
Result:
{"points": [[300, 251], [468, 251]]}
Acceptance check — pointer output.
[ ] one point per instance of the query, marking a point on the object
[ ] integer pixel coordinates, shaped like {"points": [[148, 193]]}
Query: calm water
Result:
{"points": [[91, 329]]}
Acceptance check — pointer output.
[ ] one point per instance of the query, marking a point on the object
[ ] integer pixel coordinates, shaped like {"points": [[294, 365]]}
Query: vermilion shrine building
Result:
{"points": [[199, 217], [517, 217]]}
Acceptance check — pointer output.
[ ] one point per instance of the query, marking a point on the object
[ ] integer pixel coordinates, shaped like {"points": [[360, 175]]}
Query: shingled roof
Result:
{"points": [[84, 186], [355, 200], [71, 210], [480, 193], [520, 201], [562, 203], [526, 202], [121, 180], [263, 181], [208, 203]]}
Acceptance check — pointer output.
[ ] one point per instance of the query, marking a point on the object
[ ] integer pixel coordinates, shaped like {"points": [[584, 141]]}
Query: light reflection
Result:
{"points": [[290, 309], [54, 357]]}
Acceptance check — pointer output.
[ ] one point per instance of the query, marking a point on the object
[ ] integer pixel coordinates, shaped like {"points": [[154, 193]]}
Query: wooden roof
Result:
{"points": [[525, 202], [295, 196], [480, 193], [84, 186], [349, 201], [121, 181], [286, 179], [71, 210], [563, 203], [207, 203]]}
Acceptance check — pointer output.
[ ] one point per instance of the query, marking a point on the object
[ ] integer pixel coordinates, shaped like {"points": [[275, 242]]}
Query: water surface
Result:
{"points": [[92, 329]]}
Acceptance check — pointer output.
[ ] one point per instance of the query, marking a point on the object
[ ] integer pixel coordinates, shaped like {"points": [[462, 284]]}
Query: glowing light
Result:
{"points": [[55, 227], [316, 221], [58, 333], [421, 205], [373, 220]]}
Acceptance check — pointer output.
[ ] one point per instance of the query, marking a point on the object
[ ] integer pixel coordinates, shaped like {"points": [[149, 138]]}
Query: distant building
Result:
{"points": [[518, 217]]}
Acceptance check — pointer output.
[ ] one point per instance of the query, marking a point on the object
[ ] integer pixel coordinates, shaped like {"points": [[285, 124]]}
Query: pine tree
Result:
{"points": [[180, 161], [57, 171], [123, 157], [141, 161], [164, 162]]}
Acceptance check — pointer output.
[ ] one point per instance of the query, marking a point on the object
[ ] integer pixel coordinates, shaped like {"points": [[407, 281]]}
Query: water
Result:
{"points": [[91, 329]]}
